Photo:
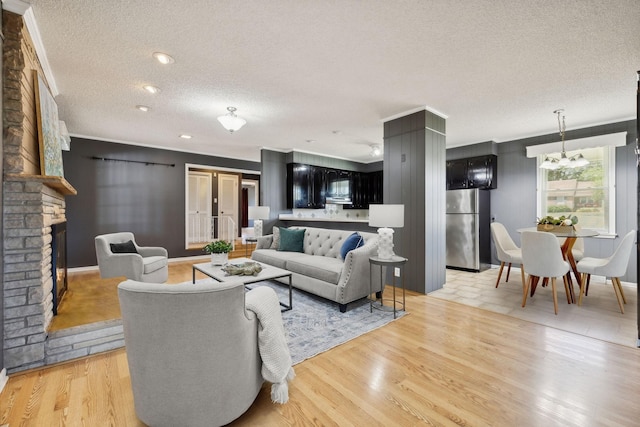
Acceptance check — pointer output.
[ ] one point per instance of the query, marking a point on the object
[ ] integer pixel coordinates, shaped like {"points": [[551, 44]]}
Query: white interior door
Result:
{"points": [[228, 206], [199, 207]]}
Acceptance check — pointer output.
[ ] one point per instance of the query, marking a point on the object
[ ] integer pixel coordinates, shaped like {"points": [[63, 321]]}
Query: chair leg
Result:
{"points": [[586, 291], [617, 291], [624, 299], [526, 290], [555, 295], [583, 286], [500, 273], [566, 289], [508, 271], [522, 275]]}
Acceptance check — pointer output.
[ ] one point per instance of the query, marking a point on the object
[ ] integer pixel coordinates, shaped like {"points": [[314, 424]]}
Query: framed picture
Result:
{"points": [[48, 129]]}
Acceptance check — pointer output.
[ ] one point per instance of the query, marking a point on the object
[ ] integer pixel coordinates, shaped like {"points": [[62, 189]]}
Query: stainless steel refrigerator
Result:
{"points": [[468, 229]]}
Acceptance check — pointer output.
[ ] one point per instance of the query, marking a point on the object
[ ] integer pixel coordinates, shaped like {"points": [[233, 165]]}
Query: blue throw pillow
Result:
{"points": [[291, 240], [354, 241]]}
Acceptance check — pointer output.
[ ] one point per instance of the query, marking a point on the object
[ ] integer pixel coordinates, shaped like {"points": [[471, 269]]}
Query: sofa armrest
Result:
{"points": [[146, 251], [355, 276], [264, 242], [127, 265]]}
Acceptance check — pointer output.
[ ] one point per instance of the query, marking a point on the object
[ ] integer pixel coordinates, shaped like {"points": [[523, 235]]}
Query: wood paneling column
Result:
{"points": [[414, 175]]}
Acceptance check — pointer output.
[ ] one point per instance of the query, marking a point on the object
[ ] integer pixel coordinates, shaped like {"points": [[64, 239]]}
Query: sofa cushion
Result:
{"points": [[291, 240], [153, 263], [275, 243], [352, 242], [319, 267], [273, 257], [123, 248]]}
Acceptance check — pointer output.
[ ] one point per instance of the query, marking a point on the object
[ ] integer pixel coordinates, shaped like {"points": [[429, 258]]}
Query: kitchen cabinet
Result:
{"points": [[305, 186], [473, 172], [375, 188], [359, 191]]}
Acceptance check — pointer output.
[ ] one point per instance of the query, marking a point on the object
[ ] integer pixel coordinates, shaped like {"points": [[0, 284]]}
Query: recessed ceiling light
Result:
{"points": [[143, 108], [151, 89], [311, 141], [184, 136], [163, 58]]}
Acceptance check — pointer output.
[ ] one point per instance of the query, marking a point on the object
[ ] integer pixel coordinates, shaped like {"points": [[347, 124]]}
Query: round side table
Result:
{"points": [[394, 262]]}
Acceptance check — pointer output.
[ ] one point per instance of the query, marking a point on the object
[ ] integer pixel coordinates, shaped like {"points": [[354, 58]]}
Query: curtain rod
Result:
{"points": [[173, 165]]}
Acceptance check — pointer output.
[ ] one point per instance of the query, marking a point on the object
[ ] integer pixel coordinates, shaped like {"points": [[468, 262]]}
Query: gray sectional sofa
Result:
{"points": [[319, 269]]}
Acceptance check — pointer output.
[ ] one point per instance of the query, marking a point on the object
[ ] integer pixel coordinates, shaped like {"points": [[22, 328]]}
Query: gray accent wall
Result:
{"points": [[273, 185], [144, 198]]}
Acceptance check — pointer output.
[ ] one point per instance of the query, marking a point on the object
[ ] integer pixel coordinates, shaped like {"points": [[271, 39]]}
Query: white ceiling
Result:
{"points": [[331, 70]]}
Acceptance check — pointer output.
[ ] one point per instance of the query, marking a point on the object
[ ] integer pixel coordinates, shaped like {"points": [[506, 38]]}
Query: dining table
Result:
{"points": [[570, 237]]}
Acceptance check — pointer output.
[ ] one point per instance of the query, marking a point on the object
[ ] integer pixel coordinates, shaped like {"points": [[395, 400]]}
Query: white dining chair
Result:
{"points": [[613, 267], [542, 258], [506, 250]]}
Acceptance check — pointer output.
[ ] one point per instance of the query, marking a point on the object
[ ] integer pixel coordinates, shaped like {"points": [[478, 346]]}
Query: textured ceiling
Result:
{"points": [[330, 70]]}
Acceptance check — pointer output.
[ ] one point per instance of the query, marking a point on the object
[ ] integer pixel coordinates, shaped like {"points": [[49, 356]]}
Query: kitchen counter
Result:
{"points": [[291, 217]]}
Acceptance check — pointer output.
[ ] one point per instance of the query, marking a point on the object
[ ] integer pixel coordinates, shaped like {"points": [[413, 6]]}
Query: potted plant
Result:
{"points": [[219, 251]]}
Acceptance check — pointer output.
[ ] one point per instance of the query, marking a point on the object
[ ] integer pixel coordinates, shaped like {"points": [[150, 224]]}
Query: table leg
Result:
{"points": [[567, 254], [193, 280]]}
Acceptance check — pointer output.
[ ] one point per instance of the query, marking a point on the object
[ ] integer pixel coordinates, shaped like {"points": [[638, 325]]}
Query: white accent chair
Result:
{"points": [[149, 264], [613, 267], [506, 250], [542, 258], [192, 351]]}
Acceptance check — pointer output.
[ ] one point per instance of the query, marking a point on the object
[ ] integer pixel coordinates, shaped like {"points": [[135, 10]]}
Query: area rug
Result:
{"points": [[315, 324]]}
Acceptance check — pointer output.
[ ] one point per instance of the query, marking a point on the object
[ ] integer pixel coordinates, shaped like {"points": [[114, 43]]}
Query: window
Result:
{"points": [[587, 192]]}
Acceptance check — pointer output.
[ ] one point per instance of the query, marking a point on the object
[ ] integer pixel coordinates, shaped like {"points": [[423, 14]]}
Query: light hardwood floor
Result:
{"points": [[443, 364]]}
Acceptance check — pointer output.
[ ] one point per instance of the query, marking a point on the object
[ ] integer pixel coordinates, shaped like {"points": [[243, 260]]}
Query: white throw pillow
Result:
{"points": [[275, 244]]}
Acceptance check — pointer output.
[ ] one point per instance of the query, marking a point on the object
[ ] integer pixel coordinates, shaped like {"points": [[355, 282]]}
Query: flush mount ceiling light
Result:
{"points": [[163, 58], [230, 121], [376, 150], [151, 89], [565, 161], [143, 108]]}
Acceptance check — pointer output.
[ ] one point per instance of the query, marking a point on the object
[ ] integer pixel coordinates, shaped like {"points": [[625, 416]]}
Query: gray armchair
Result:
{"points": [[192, 351], [144, 263]]}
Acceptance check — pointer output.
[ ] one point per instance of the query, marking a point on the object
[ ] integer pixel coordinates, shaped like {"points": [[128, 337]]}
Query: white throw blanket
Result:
{"points": [[272, 343]]}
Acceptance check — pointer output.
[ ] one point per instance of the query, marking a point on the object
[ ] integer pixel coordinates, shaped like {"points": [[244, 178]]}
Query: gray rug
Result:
{"points": [[315, 324]]}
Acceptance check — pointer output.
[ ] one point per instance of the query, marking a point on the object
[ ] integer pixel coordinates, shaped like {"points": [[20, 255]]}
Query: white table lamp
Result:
{"points": [[386, 217], [257, 214]]}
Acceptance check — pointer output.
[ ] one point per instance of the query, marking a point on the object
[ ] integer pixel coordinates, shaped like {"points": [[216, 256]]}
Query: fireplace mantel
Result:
{"points": [[58, 183]]}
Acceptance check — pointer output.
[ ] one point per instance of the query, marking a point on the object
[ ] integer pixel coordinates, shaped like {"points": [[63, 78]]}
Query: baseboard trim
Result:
{"points": [[181, 259], [3, 379]]}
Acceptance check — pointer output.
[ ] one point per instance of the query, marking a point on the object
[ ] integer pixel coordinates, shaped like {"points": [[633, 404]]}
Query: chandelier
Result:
{"points": [[230, 121], [564, 161]]}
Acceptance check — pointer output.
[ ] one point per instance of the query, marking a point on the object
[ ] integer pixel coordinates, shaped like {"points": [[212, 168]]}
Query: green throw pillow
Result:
{"points": [[291, 240]]}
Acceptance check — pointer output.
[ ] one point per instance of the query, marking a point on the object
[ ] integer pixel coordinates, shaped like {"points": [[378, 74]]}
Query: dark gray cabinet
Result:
{"points": [[473, 172]]}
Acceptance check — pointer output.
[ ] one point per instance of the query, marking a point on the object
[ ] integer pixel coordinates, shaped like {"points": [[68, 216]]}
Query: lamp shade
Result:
{"points": [[258, 212], [391, 216], [230, 121]]}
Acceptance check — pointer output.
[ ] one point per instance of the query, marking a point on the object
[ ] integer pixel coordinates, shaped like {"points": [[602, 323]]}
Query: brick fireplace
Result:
{"points": [[30, 209]]}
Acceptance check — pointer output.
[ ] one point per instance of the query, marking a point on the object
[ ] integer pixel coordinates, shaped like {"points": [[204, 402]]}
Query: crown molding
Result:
{"points": [[24, 9], [18, 7], [415, 110]]}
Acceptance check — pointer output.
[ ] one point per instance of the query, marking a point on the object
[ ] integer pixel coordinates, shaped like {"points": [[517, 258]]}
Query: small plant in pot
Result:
{"points": [[219, 251]]}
